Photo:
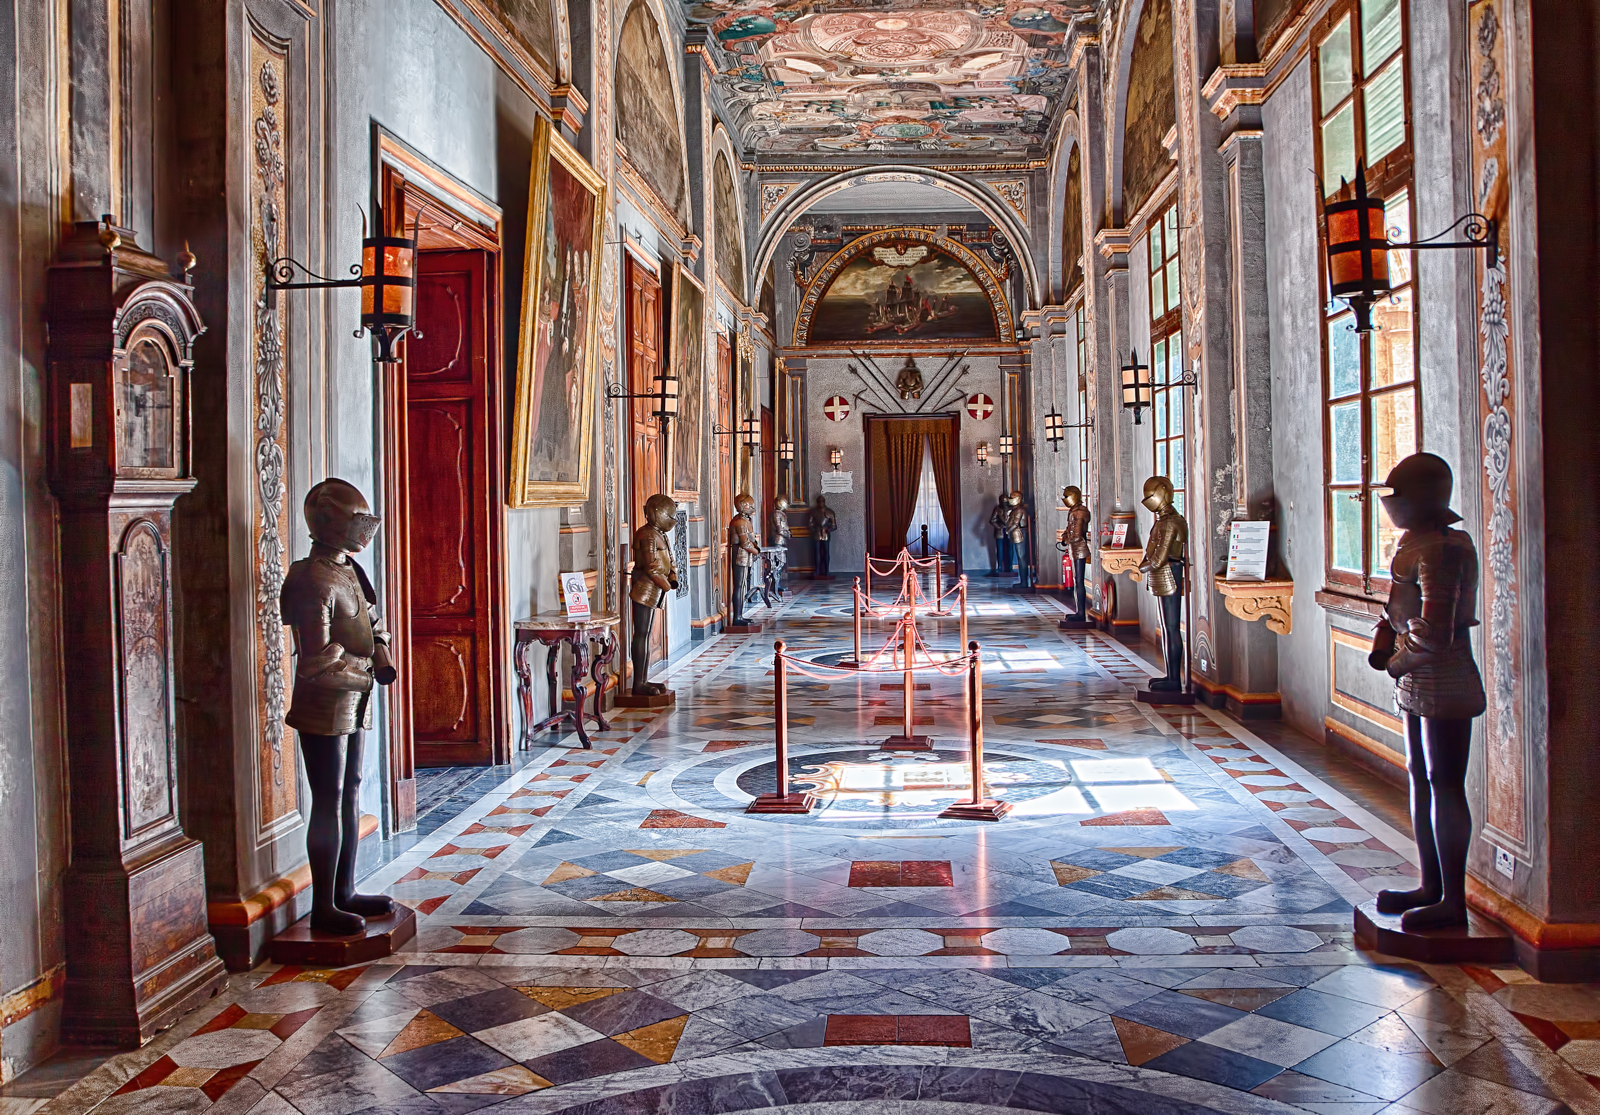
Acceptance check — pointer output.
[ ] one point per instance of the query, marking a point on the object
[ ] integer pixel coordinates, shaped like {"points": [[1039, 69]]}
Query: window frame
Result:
{"points": [[1167, 396], [1393, 173]]}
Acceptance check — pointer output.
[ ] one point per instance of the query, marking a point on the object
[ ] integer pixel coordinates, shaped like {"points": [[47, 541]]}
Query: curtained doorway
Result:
{"points": [[899, 450]]}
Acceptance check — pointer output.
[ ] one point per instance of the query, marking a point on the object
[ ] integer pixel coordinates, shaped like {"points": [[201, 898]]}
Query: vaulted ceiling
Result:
{"points": [[837, 78]]}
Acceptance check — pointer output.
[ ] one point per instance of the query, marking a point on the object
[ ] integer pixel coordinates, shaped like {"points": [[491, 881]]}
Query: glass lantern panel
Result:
{"points": [[146, 408]]}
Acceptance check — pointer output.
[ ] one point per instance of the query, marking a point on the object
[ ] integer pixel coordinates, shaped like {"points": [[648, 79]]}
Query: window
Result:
{"points": [[1166, 353], [1083, 401], [1370, 382]]}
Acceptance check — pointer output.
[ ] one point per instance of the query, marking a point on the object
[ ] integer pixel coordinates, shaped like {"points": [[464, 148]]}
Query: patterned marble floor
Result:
{"points": [[1161, 925]]}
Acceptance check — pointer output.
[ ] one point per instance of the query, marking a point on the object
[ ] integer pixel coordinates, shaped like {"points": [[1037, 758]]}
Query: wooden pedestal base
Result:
{"points": [[986, 810], [300, 944], [908, 743], [1020, 589], [741, 629], [625, 699], [781, 803], [1164, 697], [1480, 941], [1073, 623]]}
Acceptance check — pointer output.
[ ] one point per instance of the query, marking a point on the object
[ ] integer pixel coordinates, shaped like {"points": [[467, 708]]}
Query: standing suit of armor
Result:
{"points": [[1016, 527], [654, 575], [823, 524], [1075, 541], [1002, 543], [781, 533], [1423, 642], [341, 651], [1164, 557], [746, 547]]}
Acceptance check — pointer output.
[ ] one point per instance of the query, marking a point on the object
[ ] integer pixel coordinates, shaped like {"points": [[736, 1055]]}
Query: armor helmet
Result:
{"points": [[339, 517], [1015, 499], [1420, 493], [821, 502], [744, 503], [780, 504], [661, 511], [1071, 495], [1157, 494]]}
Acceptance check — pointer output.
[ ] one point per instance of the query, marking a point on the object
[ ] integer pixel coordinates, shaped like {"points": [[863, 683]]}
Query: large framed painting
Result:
{"points": [[531, 25], [688, 342], [553, 424]]}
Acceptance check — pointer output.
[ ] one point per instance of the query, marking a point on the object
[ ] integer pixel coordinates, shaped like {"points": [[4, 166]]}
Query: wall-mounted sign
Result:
{"points": [[980, 406], [837, 408], [837, 482]]}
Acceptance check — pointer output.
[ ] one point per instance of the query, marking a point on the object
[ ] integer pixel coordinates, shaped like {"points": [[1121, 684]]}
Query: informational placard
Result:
{"points": [[1119, 535], [575, 594], [838, 482], [1247, 550]]}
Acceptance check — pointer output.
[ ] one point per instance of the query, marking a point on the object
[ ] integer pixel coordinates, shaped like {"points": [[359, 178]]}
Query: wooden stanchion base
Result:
{"points": [[987, 810], [626, 699], [908, 743], [1480, 941], [741, 629], [300, 944], [781, 803], [1076, 623], [1029, 589], [1164, 697]]}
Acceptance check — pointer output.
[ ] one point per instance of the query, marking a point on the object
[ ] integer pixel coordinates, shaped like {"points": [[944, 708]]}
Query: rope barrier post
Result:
{"points": [[908, 740], [868, 574], [855, 621], [963, 609], [979, 808], [782, 801]]}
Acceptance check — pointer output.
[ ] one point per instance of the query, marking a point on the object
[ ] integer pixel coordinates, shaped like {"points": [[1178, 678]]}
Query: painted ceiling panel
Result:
{"points": [[843, 77]]}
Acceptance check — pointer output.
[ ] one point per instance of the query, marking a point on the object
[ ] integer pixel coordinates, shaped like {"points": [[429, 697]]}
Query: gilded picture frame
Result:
{"points": [[553, 428], [688, 341]]}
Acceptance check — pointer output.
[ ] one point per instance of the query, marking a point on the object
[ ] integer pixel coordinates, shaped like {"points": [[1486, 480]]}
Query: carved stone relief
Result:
{"points": [[146, 679]]}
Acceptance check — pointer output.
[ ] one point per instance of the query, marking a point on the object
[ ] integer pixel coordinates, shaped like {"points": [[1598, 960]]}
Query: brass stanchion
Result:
{"points": [[979, 808], [963, 609], [908, 740], [855, 622], [782, 801]]}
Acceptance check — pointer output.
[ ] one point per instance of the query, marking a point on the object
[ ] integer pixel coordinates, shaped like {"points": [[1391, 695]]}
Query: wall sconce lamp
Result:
{"points": [[1054, 430], [835, 457], [786, 452], [983, 454], [665, 396], [1359, 247], [750, 433], [387, 276], [1137, 393], [1008, 445]]}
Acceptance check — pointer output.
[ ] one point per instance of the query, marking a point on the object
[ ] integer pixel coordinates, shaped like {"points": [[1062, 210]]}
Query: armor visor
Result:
{"points": [[360, 532]]}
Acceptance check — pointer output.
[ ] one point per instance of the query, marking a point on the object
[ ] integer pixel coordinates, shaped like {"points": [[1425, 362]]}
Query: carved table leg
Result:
{"points": [[580, 686], [608, 651], [524, 688], [552, 664]]}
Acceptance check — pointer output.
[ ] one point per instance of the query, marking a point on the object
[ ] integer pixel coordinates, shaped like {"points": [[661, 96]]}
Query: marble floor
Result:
{"points": [[1161, 925]]}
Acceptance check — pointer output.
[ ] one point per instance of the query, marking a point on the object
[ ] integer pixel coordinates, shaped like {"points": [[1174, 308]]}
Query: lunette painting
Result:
{"points": [[553, 428], [903, 291], [532, 24], [688, 342]]}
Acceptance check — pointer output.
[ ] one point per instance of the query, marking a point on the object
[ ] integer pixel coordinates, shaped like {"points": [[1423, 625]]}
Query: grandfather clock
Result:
{"points": [[122, 332]]}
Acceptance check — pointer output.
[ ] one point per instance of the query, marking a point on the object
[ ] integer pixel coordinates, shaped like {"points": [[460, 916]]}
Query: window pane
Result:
{"points": [[1344, 357], [1161, 458], [1346, 529], [1158, 360], [1385, 535], [1394, 430], [1333, 61], [1386, 113], [1161, 414], [1339, 149], [1175, 357], [1393, 358], [1344, 427], [1397, 220], [1169, 228], [1175, 409], [1172, 284], [1380, 32], [1176, 459], [1155, 248], [1158, 298]]}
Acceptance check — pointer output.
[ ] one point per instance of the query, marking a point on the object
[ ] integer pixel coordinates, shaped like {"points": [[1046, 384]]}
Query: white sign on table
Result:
{"points": [[1119, 536], [837, 482], [575, 594], [1247, 550]]}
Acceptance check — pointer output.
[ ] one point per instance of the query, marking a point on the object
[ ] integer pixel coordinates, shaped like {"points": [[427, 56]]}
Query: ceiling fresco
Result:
{"points": [[837, 77]]}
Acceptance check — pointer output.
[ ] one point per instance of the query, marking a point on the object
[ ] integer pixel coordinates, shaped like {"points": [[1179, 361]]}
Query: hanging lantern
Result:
{"points": [[983, 453], [750, 433], [1055, 429], [666, 398], [1358, 251], [1137, 392], [786, 452], [388, 290], [1008, 445], [835, 457]]}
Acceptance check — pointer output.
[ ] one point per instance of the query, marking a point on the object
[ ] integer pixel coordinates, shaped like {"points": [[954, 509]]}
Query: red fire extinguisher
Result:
{"points": [[1066, 570]]}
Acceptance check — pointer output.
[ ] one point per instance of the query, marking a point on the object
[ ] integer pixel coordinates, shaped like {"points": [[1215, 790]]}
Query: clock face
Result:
{"points": [[145, 391]]}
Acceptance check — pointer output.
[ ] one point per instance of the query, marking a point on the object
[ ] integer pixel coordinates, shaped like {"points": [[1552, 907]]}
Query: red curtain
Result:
{"points": [[942, 445], [903, 450]]}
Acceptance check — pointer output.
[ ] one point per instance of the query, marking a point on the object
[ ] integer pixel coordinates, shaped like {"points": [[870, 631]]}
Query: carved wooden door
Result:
{"points": [[722, 413], [454, 657], [646, 447]]}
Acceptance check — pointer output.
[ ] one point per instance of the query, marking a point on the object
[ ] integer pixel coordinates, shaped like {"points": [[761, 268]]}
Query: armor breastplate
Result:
{"points": [[742, 537], [1168, 542], [322, 600], [1432, 605], [652, 555], [1077, 538]]}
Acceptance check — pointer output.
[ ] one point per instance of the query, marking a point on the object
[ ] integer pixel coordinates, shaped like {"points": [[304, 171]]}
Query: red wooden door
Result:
{"points": [[646, 448], [455, 663]]}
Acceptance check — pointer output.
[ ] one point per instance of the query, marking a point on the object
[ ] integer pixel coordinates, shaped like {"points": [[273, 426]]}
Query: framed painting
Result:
{"points": [[553, 423], [688, 340]]}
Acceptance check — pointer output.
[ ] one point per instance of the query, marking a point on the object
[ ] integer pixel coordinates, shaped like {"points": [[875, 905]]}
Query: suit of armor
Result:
{"points": [[1075, 542], [654, 575], [1162, 566], [341, 651], [823, 524], [745, 545], [1002, 543], [1422, 643], [1016, 530]]}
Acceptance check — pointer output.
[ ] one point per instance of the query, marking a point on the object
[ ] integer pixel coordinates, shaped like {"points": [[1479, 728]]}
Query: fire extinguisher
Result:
{"points": [[1066, 570]]}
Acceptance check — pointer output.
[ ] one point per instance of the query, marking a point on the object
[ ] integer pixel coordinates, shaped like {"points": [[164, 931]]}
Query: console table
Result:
{"points": [[551, 630]]}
